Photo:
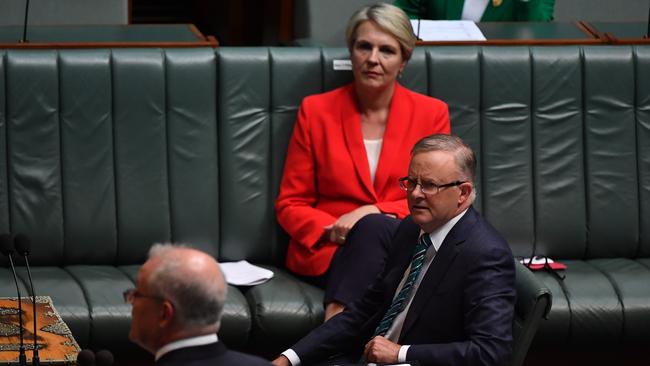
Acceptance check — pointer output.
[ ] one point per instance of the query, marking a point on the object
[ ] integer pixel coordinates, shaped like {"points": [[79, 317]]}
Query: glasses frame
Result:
{"points": [[403, 184], [131, 294]]}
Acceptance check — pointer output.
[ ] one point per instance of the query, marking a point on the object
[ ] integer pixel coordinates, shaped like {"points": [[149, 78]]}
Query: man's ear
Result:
{"points": [[465, 192], [167, 314]]}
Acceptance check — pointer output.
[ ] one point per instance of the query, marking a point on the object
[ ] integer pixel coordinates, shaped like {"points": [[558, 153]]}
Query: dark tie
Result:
{"points": [[402, 297]]}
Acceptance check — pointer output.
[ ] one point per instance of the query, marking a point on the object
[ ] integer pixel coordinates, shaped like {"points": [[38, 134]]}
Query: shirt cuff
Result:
{"points": [[401, 356], [293, 357]]}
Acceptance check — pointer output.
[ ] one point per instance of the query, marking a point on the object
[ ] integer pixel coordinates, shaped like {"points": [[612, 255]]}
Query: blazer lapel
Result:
{"points": [[451, 246], [351, 124], [394, 135]]}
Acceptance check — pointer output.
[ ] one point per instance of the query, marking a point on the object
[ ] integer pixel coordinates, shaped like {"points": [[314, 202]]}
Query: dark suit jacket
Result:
{"points": [[212, 354], [326, 172], [462, 312]]}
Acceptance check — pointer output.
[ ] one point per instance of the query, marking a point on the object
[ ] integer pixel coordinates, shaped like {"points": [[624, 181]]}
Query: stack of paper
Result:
{"points": [[243, 273], [447, 30]]}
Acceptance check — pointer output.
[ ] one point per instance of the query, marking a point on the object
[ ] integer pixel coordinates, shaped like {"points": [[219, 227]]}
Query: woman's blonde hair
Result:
{"points": [[388, 17]]}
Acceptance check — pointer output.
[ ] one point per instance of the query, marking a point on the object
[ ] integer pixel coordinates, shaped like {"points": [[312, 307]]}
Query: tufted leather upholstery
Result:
{"points": [[99, 148], [103, 152]]}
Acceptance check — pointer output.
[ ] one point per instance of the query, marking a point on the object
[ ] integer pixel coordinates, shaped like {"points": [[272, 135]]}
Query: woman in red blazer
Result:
{"points": [[348, 149]]}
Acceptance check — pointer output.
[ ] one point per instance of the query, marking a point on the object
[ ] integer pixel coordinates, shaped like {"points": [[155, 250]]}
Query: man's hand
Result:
{"points": [[282, 360], [338, 231], [380, 349]]}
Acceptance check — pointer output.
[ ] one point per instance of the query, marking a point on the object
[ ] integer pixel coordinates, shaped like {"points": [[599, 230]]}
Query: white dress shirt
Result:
{"points": [[437, 237], [185, 343]]}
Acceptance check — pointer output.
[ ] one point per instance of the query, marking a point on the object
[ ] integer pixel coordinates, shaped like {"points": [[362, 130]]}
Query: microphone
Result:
{"points": [[420, 10], [21, 243], [24, 39], [647, 34], [7, 249], [104, 358], [86, 358], [89, 358]]}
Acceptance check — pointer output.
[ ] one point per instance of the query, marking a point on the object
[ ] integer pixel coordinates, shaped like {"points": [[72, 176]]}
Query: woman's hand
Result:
{"points": [[338, 231]]}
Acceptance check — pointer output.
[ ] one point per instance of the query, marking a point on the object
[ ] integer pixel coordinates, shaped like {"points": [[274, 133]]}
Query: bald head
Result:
{"points": [[191, 280]]}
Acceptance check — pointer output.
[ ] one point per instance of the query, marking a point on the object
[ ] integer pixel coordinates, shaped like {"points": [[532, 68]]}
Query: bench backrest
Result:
{"points": [[103, 152], [562, 135]]}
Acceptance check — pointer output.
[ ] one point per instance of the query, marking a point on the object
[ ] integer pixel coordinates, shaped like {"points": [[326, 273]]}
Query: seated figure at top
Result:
{"points": [[479, 10]]}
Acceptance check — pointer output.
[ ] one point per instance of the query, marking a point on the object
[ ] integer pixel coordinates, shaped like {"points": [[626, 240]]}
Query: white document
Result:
{"points": [[447, 30], [243, 273]]}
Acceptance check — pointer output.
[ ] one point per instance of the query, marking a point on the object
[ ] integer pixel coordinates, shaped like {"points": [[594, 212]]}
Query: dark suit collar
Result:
{"points": [[192, 353], [448, 251], [459, 232]]}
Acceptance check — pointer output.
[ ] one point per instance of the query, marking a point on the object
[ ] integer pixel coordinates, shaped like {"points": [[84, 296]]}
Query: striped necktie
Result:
{"points": [[397, 306]]}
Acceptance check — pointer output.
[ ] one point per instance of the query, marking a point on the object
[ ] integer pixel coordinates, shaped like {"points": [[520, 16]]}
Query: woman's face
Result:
{"points": [[376, 57]]}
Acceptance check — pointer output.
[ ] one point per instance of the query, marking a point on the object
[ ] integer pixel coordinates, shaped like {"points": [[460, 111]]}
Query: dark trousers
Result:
{"points": [[360, 259]]}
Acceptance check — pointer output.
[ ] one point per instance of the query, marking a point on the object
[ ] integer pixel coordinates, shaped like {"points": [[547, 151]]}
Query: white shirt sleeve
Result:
{"points": [[401, 356], [293, 357]]}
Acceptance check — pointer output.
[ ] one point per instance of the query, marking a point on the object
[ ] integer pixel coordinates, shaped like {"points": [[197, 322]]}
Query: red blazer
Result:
{"points": [[326, 173]]}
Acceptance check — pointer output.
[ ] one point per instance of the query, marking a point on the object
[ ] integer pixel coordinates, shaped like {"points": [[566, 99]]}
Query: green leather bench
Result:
{"points": [[104, 152]]}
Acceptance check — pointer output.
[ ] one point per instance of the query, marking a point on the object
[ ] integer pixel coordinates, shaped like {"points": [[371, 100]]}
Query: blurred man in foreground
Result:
{"points": [[177, 304]]}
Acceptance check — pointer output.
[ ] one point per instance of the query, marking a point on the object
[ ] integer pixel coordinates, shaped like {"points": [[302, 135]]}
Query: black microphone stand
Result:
{"points": [[36, 361], [22, 358], [647, 34], [420, 10], [21, 243], [24, 39]]}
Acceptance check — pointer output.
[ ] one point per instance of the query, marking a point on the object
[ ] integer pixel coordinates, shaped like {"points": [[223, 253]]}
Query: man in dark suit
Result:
{"points": [[447, 293], [177, 306]]}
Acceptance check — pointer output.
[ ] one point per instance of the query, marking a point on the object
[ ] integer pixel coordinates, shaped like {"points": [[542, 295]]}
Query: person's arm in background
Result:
{"points": [[534, 10], [413, 8]]}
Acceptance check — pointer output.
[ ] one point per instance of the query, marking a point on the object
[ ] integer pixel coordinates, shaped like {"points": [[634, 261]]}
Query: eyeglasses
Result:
{"points": [[131, 294], [408, 184]]}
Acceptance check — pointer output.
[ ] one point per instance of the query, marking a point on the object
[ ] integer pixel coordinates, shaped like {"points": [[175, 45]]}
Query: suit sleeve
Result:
{"points": [[346, 332], [350, 330], [343, 333], [410, 7], [438, 124], [488, 314], [298, 193]]}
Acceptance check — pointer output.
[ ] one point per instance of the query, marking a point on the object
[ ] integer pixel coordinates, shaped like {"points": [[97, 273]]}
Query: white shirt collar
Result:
{"points": [[439, 235], [187, 342]]}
